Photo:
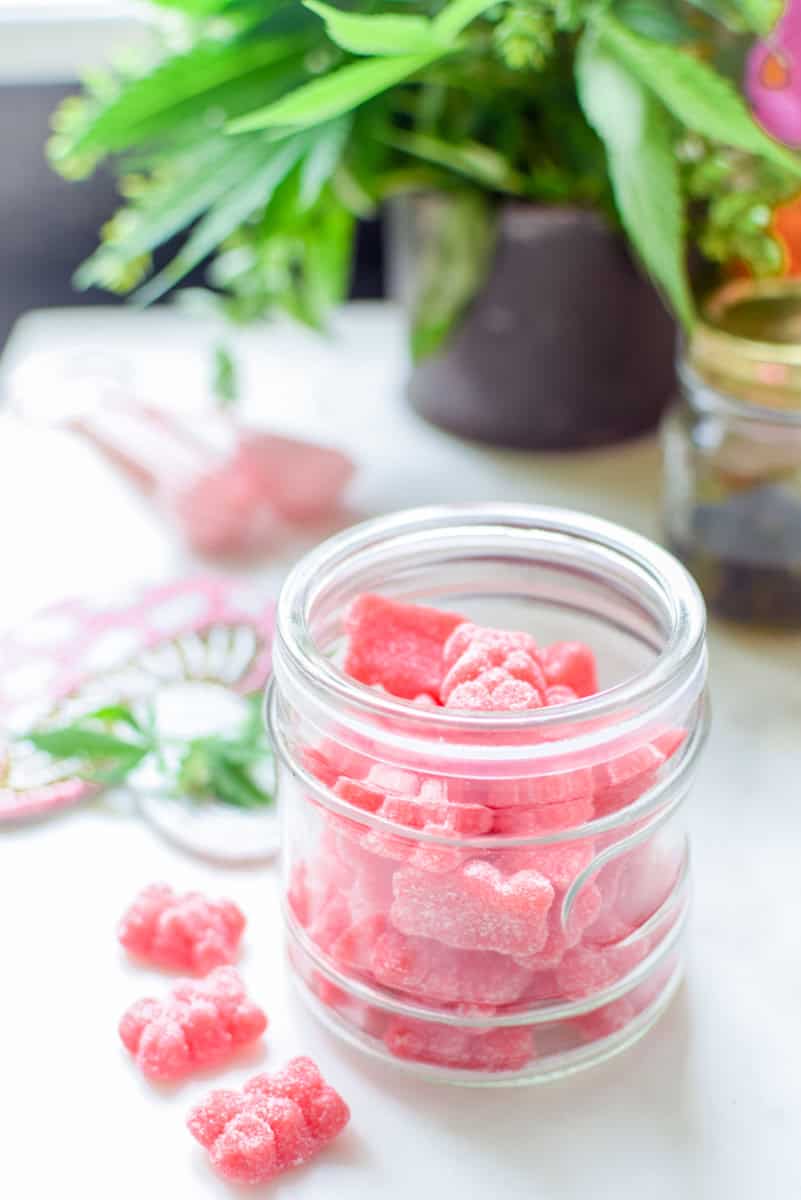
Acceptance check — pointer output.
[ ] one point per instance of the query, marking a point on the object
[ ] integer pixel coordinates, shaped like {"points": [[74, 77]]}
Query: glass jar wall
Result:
{"points": [[518, 910], [732, 450]]}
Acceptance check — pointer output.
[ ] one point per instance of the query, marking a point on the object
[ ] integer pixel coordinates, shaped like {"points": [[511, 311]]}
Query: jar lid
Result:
{"points": [[748, 344]]}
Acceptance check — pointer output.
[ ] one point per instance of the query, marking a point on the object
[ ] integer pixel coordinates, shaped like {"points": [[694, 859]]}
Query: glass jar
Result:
{"points": [[732, 449], [517, 910]]}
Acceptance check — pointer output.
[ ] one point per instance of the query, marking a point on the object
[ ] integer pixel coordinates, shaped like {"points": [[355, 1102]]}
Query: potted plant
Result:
{"points": [[534, 151]]}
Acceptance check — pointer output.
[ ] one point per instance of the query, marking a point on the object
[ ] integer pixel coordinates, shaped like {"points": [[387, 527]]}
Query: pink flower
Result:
{"points": [[773, 78]]}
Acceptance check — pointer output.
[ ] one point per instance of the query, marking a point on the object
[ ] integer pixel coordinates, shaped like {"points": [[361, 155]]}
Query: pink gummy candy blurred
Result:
{"points": [[239, 505], [186, 932], [443, 1045], [276, 1122], [198, 1025], [474, 908], [398, 646]]}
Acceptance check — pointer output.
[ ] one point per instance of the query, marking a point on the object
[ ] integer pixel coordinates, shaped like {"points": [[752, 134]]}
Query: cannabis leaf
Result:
{"points": [[220, 767]]}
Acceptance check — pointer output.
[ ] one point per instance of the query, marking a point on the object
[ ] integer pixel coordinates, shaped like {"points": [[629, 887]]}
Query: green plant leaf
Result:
{"points": [[180, 86], [76, 741], [756, 16], [642, 166], [218, 168], [236, 206], [334, 94], [471, 159], [761, 15], [456, 16], [453, 257], [692, 91], [382, 33], [657, 19], [322, 160]]}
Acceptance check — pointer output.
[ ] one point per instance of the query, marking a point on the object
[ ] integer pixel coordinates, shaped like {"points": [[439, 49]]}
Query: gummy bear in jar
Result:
{"points": [[487, 894]]}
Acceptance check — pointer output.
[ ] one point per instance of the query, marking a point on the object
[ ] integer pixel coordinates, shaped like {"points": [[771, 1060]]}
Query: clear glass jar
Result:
{"points": [[732, 450], [533, 925]]}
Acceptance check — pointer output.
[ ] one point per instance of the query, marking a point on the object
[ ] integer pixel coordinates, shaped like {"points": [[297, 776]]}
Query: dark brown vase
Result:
{"points": [[566, 345]]}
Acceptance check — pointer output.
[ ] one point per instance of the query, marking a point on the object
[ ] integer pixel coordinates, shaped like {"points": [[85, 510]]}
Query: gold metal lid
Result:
{"points": [[748, 344]]}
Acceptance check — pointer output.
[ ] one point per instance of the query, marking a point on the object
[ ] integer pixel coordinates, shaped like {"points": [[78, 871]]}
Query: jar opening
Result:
{"points": [[560, 575]]}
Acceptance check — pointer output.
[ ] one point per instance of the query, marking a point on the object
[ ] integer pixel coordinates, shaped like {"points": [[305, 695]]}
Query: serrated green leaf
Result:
{"points": [[382, 33], [480, 163], [184, 85], [334, 94], [75, 741], [692, 91], [642, 166], [236, 206], [218, 168]]}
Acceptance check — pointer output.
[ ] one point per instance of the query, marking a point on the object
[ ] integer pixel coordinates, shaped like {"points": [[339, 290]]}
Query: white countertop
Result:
{"points": [[707, 1106]]}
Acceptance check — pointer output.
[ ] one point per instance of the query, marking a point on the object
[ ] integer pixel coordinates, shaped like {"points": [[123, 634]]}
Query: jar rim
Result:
{"points": [[679, 664]]}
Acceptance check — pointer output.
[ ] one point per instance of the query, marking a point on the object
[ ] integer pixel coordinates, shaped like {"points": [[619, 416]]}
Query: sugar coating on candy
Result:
{"points": [[608, 1019], [443, 1045], [474, 908], [276, 1122], [330, 760], [495, 692], [188, 932], [560, 939], [572, 665], [398, 646], [353, 948], [491, 670], [585, 970], [497, 643], [435, 972], [199, 1024]]}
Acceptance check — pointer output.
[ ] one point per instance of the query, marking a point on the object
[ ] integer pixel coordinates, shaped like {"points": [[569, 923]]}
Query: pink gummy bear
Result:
{"points": [[474, 908], [182, 932], [443, 1045], [435, 972], [276, 1122], [197, 1025], [491, 670]]}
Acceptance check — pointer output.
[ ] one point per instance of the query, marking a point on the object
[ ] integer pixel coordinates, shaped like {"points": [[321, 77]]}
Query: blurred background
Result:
{"points": [[49, 226]]}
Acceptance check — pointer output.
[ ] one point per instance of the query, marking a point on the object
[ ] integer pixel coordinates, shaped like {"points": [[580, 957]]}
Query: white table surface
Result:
{"points": [[708, 1105]]}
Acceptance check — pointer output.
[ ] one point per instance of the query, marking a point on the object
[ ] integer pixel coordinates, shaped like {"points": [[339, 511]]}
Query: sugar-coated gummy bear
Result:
{"points": [[199, 1024], [491, 670], [398, 646], [441, 974], [186, 932], [443, 1045], [276, 1122], [474, 908]]}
